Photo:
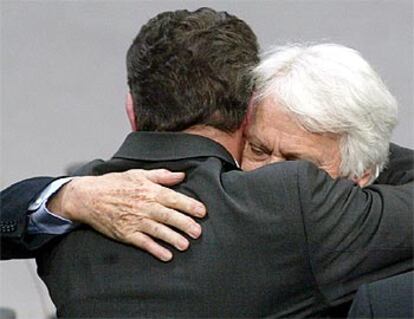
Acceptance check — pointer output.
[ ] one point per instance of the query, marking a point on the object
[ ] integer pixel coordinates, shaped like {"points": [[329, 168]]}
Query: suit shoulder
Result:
{"points": [[269, 183], [90, 168], [276, 173], [292, 173]]}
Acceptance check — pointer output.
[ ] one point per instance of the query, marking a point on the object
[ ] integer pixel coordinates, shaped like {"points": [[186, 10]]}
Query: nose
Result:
{"points": [[276, 159]]}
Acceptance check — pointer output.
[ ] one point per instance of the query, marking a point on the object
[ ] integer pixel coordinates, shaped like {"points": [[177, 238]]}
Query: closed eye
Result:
{"points": [[259, 151]]}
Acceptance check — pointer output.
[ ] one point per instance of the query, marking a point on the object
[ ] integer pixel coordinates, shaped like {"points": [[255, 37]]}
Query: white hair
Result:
{"points": [[331, 88]]}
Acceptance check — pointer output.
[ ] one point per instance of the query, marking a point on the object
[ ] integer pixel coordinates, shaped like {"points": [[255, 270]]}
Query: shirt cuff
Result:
{"points": [[43, 221]]}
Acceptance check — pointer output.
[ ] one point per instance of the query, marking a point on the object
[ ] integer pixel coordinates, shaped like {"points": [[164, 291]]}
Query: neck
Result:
{"points": [[232, 142]]}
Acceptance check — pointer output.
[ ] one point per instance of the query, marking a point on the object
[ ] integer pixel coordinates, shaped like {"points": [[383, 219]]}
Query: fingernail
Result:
{"points": [[200, 210], [183, 244], [166, 256], [195, 231]]}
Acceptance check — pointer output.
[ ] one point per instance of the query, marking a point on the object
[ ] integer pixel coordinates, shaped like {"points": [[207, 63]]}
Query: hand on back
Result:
{"points": [[134, 208]]}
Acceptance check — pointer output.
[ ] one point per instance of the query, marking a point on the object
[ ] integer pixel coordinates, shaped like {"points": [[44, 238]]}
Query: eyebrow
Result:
{"points": [[258, 143]]}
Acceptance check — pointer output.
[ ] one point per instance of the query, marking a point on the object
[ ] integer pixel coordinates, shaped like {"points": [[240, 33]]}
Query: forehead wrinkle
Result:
{"points": [[291, 144], [269, 132], [285, 130]]}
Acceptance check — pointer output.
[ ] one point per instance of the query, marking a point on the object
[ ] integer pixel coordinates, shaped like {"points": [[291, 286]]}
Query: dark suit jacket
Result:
{"points": [[282, 240], [388, 298]]}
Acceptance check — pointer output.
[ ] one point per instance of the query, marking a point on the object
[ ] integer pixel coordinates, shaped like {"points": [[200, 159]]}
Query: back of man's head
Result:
{"points": [[192, 68]]}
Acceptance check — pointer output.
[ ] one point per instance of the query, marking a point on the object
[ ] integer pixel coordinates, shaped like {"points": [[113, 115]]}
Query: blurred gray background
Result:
{"points": [[63, 82]]}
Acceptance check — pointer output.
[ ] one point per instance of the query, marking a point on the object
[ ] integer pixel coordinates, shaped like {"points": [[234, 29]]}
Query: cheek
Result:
{"points": [[276, 159], [249, 165], [332, 168], [251, 161], [248, 162]]}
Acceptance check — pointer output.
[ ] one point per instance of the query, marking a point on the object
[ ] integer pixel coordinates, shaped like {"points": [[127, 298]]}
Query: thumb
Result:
{"points": [[164, 177]]}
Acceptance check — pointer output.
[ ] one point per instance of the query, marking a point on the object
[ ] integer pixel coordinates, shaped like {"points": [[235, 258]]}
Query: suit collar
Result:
{"points": [[170, 146]]}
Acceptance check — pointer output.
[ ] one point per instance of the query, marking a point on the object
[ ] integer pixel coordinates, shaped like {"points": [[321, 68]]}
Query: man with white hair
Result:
{"points": [[322, 103]]}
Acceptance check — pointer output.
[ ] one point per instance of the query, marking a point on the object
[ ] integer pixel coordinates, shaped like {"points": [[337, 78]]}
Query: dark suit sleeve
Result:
{"points": [[361, 306], [355, 235], [387, 298], [14, 203], [399, 169]]}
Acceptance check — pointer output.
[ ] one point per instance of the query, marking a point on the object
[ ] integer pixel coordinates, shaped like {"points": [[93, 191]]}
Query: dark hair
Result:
{"points": [[187, 68]]}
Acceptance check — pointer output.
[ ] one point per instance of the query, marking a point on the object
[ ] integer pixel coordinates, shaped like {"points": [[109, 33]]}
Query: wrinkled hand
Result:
{"points": [[133, 208]]}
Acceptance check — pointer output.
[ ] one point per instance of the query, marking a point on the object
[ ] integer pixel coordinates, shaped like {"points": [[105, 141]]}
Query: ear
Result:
{"points": [[364, 179], [129, 106]]}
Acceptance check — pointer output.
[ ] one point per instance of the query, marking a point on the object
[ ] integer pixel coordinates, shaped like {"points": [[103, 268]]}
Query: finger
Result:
{"points": [[172, 199], [178, 220], [146, 243], [164, 177], [162, 232]]}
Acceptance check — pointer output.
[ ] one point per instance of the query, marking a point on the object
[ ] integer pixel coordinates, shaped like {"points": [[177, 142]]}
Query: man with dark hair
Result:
{"points": [[260, 254], [181, 61]]}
